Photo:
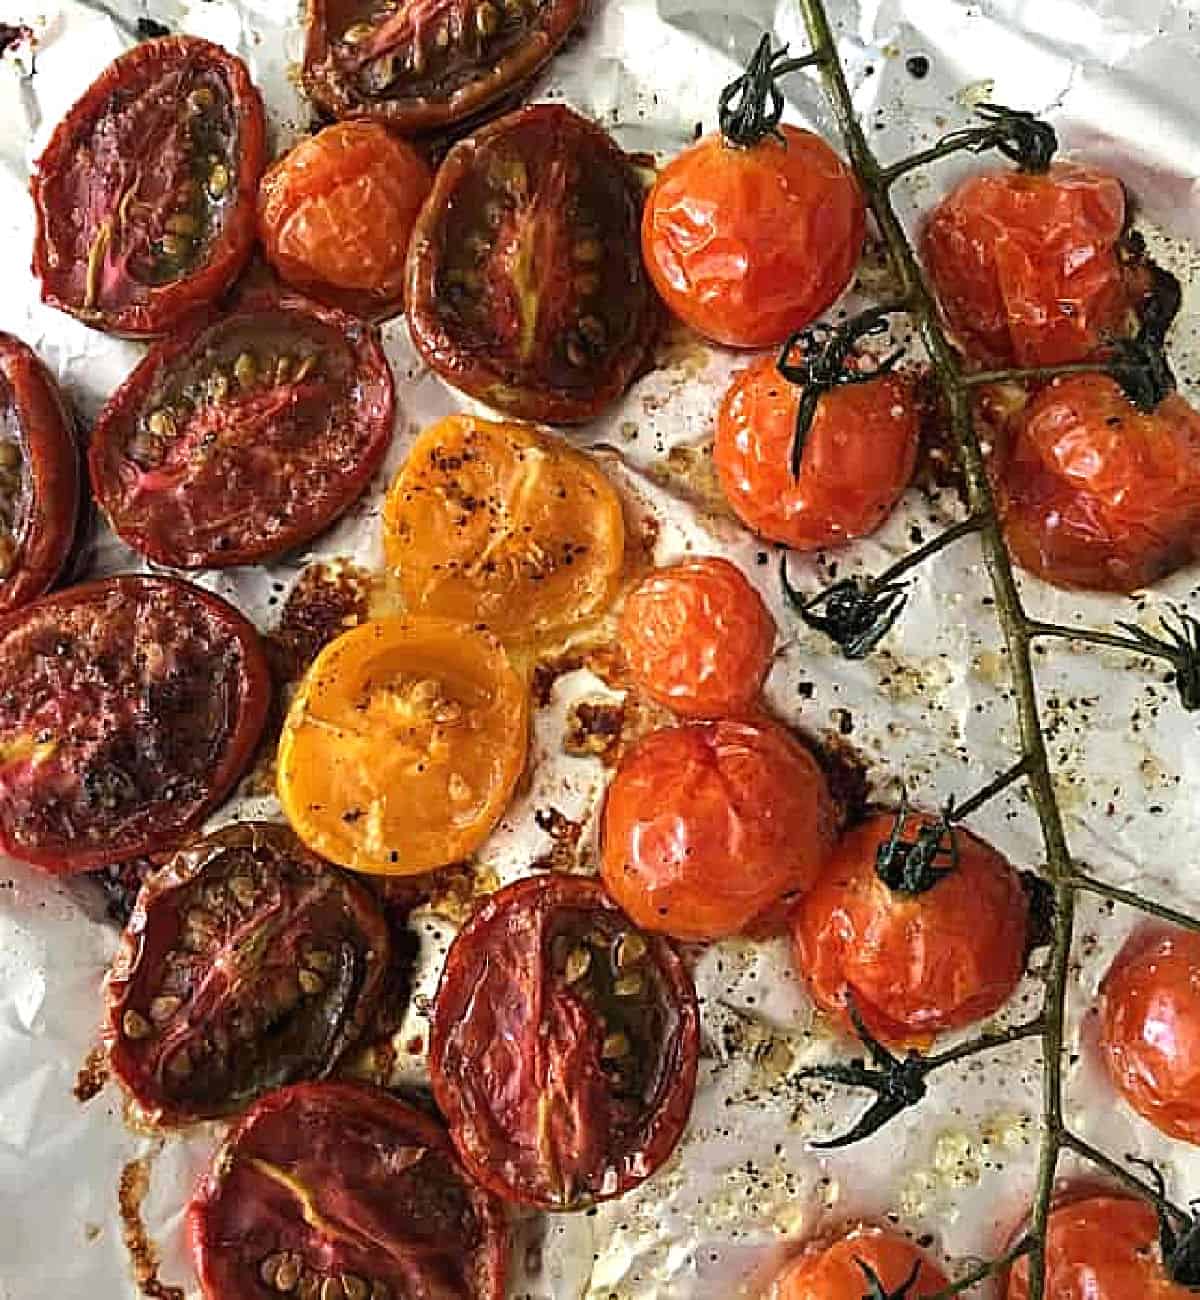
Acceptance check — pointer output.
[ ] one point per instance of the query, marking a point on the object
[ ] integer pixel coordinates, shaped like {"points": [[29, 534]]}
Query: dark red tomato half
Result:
{"points": [[248, 963], [145, 194], [243, 436], [422, 65], [525, 280], [39, 477], [329, 1191], [128, 709], [564, 1045]]}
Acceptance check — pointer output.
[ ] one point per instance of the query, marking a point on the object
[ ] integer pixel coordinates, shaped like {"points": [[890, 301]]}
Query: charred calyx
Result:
{"points": [[1180, 645], [1178, 1233], [1141, 368], [855, 615], [909, 866], [879, 1292], [751, 107]]}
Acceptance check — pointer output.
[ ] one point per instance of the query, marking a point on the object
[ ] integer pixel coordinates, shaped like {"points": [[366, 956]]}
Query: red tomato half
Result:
{"points": [[145, 193], [244, 436], [747, 245], [327, 1191], [708, 826], [858, 456], [564, 1045], [698, 638], [835, 1272]]}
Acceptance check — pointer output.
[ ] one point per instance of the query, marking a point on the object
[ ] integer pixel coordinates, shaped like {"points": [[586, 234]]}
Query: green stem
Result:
{"points": [[951, 535], [1093, 636], [1130, 899], [960, 812], [1036, 374], [1125, 1177], [986, 1043], [984, 1271]]}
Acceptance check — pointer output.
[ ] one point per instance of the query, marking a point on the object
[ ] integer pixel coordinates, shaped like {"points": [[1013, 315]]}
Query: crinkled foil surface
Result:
{"points": [[1121, 81]]}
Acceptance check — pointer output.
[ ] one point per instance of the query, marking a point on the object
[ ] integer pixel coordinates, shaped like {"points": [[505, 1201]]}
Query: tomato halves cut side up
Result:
{"points": [[128, 709], [835, 1271], [244, 436], [145, 194], [328, 1191], [525, 281], [564, 1045]]}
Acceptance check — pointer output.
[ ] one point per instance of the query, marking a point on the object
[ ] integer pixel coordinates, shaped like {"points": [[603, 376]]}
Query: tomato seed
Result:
{"points": [[163, 1008], [174, 246], [218, 180], [628, 986], [245, 370], [615, 1046], [10, 455], [242, 889], [355, 1287], [310, 982], [333, 1289], [442, 40], [201, 99], [356, 32], [575, 353], [136, 1026], [161, 423], [320, 960], [288, 1273], [305, 368], [578, 961], [487, 20], [630, 949]]}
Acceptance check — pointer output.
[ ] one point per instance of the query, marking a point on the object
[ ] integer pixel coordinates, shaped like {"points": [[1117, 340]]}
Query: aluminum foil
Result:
{"points": [[1119, 80]]}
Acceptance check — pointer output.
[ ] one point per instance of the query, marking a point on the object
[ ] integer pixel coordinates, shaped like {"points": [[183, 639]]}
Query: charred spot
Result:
{"points": [[323, 603], [1155, 294], [595, 728], [1041, 910], [846, 770], [564, 834], [120, 882]]}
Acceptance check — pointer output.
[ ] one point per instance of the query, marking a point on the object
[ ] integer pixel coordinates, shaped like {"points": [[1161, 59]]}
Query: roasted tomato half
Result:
{"points": [[247, 963], [39, 477], [243, 436], [145, 193], [128, 709], [867, 1262], [564, 1045], [503, 525], [709, 826], [403, 745], [916, 955], [1094, 493], [422, 65], [525, 284], [327, 1191], [1025, 266]]}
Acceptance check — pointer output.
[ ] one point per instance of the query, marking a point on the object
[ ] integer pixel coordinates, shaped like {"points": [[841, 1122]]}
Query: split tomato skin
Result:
{"points": [[833, 1272], [746, 245]]}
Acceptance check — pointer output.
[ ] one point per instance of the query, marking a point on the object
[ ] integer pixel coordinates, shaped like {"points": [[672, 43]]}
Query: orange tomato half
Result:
{"points": [[835, 1272]]}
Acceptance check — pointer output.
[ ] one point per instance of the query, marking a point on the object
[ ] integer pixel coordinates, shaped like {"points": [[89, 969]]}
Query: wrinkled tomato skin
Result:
{"points": [[858, 457], [698, 638], [43, 511], [748, 245], [914, 964], [123, 135], [1025, 266], [390, 1206], [521, 1057], [129, 707], [832, 1272], [262, 468], [1096, 494], [1150, 1035], [708, 826]]}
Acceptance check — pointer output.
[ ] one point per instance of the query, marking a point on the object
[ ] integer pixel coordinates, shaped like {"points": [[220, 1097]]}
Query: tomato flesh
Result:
{"points": [[834, 1272]]}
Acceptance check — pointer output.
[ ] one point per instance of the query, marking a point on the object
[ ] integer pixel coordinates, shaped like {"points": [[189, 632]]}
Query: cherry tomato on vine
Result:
{"points": [[837, 1272]]}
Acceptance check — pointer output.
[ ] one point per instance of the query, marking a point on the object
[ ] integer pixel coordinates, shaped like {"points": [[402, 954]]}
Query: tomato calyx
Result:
{"points": [[751, 106], [907, 866], [875, 1282], [1178, 1232]]}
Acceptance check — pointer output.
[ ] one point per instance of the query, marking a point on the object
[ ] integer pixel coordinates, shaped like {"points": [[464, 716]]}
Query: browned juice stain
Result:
{"points": [[92, 1076], [143, 1254]]}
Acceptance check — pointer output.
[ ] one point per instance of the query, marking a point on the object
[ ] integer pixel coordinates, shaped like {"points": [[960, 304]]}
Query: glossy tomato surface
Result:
{"points": [[248, 963], [858, 456], [39, 477], [1025, 266], [835, 1272], [1096, 494], [244, 435], [145, 193], [564, 1045], [504, 525], [913, 963], [525, 282], [335, 214], [128, 709], [710, 825], [422, 65], [747, 245], [331, 1190], [698, 638]]}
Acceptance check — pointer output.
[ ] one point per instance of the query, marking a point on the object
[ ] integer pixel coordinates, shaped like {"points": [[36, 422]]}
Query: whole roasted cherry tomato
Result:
{"points": [[850, 1268], [423, 65], [698, 638], [564, 1045], [709, 825], [525, 284], [916, 954], [39, 477], [335, 214], [243, 436], [858, 456], [1094, 493], [128, 709], [1151, 1029], [1025, 266], [327, 1191], [247, 963], [503, 525], [145, 193], [403, 745]]}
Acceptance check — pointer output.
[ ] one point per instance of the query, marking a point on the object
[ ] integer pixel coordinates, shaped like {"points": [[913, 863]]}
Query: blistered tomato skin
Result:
{"points": [[698, 638], [747, 245], [834, 1272], [333, 1190], [858, 457], [708, 827], [564, 1045], [145, 194], [1025, 266]]}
